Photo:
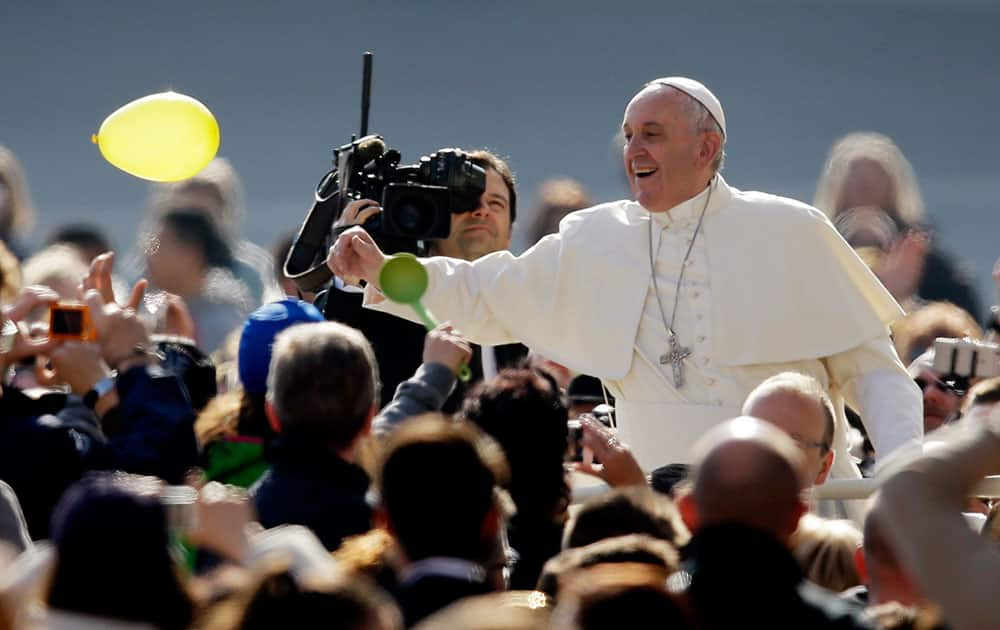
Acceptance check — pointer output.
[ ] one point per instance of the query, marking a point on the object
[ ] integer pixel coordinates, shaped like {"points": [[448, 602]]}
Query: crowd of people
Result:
{"points": [[219, 448]]}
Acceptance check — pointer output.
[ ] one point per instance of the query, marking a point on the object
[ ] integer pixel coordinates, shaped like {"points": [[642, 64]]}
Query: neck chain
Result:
{"points": [[676, 354]]}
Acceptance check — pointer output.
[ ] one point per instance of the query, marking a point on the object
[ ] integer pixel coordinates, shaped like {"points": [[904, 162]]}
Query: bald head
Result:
{"points": [[750, 473], [798, 405]]}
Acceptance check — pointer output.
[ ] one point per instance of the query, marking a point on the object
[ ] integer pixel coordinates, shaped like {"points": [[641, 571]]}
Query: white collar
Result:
{"points": [[441, 566], [684, 213]]}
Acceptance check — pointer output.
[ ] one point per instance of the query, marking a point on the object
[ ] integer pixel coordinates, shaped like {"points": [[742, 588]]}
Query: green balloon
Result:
{"points": [[403, 279]]}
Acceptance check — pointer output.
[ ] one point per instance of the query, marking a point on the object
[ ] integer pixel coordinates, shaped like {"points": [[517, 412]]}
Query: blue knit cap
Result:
{"points": [[259, 332]]}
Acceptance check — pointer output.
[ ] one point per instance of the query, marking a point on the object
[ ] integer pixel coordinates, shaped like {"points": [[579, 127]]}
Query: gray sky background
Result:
{"points": [[544, 83]]}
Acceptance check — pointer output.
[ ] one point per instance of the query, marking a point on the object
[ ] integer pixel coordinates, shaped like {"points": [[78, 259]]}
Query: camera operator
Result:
{"points": [[483, 230]]}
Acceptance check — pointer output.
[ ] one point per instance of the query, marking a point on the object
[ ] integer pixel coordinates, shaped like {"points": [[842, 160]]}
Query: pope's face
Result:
{"points": [[483, 230], [661, 150]]}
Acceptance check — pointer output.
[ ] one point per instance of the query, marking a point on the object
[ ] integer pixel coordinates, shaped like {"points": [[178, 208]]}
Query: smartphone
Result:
{"points": [[966, 358], [70, 321]]}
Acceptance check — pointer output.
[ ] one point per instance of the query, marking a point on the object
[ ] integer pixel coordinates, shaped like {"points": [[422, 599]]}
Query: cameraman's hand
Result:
{"points": [[357, 212], [79, 365], [119, 332], [618, 466], [445, 346], [356, 256]]}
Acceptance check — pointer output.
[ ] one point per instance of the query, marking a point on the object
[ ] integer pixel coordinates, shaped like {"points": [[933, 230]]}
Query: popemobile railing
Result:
{"points": [[847, 489]]}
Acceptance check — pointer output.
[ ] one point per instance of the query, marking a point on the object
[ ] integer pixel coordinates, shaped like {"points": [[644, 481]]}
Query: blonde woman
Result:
{"points": [[867, 170]]}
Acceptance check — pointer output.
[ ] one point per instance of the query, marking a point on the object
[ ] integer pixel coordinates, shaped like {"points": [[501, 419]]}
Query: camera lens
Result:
{"points": [[411, 217]]}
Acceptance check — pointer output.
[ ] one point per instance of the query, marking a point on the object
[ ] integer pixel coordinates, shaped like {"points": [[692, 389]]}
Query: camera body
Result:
{"points": [[417, 199], [70, 321]]}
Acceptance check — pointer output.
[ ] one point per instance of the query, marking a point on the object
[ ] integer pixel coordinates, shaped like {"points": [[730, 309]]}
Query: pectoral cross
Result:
{"points": [[676, 356]]}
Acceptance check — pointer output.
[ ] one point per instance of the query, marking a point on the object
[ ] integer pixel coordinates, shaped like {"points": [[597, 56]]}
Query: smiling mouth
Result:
{"points": [[643, 172]]}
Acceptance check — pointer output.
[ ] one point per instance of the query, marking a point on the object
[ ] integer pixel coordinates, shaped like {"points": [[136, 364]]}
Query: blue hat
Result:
{"points": [[259, 332]]}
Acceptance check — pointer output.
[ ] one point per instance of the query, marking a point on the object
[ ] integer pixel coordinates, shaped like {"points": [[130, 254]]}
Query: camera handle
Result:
{"points": [[312, 242]]}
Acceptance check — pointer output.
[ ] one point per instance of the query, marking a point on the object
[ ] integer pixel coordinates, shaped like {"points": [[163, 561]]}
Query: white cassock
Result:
{"points": [[770, 287]]}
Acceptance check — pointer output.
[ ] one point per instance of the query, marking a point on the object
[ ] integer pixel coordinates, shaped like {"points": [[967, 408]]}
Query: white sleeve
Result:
{"points": [[877, 386], [496, 299]]}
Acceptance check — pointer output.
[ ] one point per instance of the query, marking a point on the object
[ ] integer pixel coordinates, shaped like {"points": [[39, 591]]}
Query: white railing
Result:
{"points": [[835, 489], [841, 489]]}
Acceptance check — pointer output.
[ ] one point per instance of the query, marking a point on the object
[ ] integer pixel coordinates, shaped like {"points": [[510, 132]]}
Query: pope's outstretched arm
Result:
{"points": [[496, 299]]}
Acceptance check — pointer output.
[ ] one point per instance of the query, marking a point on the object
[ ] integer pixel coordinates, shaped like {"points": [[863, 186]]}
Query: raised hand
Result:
{"points": [[355, 256], [445, 346]]}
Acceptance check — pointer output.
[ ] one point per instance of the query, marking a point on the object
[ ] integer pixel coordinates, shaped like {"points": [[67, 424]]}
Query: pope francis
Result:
{"points": [[685, 299]]}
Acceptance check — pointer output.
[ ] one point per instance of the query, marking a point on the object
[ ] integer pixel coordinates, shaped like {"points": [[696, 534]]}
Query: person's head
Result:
{"points": [[632, 549], [17, 213], [613, 595], [888, 580], [322, 384], [510, 610], [280, 598], [524, 412], [826, 549], [584, 393], [436, 482], [868, 169], [674, 133], [941, 401], [557, 197], [748, 472], [113, 556], [623, 511], [488, 227], [89, 239], [216, 191], [183, 247], [58, 267], [983, 396], [915, 333], [798, 405]]}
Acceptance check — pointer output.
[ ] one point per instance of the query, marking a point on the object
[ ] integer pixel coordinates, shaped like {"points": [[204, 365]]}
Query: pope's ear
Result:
{"points": [[709, 146]]}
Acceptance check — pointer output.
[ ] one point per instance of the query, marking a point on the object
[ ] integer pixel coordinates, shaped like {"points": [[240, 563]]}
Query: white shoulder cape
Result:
{"points": [[785, 287]]}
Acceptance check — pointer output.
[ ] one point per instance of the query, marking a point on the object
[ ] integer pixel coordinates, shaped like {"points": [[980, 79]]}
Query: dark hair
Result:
{"points": [[113, 556], [323, 380], [632, 549], [524, 411], [83, 236], [196, 228], [279, 600], [488, 159], [436, 481], [632, 510]]}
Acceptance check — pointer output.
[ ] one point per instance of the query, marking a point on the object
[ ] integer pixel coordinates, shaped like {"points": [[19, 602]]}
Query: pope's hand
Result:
{"points": [[355, 256]]}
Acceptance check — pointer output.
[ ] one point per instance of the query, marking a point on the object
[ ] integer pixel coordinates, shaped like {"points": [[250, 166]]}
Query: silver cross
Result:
{"points": [[676, 356]]}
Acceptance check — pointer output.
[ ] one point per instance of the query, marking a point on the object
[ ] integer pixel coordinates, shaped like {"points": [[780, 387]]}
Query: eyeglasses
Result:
{"points": [[939, 385], [805, 444]]}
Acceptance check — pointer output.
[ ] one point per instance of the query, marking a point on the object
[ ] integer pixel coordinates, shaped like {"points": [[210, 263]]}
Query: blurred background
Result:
{"points": [[542, 83]]}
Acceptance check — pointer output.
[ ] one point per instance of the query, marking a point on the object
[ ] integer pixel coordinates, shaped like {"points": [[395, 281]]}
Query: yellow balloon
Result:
{"points": [[163, 137]]}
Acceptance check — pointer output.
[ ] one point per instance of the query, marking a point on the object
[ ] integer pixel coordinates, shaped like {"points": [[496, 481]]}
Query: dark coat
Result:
{"points": [[429, 594], [399, 345], [743, 578], [307, 484], [49, 442]]}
